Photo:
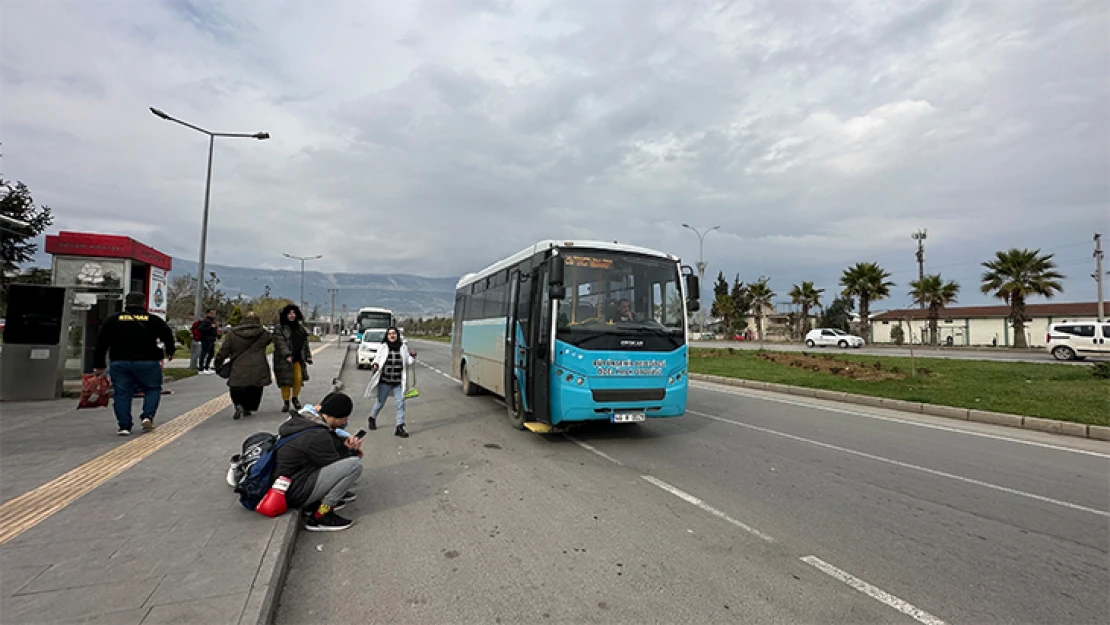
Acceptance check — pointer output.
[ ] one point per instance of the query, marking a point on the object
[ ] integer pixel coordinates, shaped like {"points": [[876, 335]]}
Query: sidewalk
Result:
{"points": [[144, 529]]}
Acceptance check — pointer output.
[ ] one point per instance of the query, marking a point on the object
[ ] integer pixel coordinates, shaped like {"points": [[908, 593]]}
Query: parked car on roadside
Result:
{"points": [[824, 337], [1078, 339]]}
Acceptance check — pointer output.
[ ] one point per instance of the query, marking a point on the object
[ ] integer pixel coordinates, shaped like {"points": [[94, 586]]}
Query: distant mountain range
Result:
{"points": [[406, 295]]}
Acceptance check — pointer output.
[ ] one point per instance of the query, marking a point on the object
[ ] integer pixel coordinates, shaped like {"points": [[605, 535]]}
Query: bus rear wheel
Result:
{"points": [[515, 407], [468, 388]]}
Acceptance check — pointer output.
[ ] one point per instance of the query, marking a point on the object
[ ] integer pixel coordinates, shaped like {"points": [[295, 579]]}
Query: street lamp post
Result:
{"points": [[303, 259], [701, 265], [198, 301]]}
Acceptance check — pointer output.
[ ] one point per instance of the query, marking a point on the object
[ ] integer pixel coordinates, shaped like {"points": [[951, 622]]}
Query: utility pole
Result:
{"points": [[1098, 274], [919, 236], [331, 320]]}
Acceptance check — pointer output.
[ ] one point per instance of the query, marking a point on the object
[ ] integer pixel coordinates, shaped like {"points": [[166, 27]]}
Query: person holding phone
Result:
{"points": [[322, 464], [389, 376]]}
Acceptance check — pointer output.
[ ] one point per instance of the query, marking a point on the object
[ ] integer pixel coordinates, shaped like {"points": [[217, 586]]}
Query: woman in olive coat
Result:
{"points": [[245, 345], [291, 355]]}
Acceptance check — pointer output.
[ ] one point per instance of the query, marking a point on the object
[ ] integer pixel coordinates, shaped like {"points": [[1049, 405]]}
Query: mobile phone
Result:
{"points": [[360, 434]]}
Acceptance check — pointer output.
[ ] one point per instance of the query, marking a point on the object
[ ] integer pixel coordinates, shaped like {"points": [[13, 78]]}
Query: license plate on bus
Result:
{"points": [[628, 417]]}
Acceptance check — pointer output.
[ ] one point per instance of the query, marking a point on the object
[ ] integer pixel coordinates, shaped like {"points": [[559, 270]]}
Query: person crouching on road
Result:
{"points": [[291, 355], [322, 464], [389, 375], [246, 345], [131, 339]]}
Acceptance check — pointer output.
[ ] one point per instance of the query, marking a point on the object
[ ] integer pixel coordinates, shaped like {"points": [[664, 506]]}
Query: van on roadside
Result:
{"points": [[1072, 340]]}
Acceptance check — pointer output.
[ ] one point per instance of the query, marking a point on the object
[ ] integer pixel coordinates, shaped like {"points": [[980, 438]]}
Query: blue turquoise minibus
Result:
{"points": [[575, 331]]}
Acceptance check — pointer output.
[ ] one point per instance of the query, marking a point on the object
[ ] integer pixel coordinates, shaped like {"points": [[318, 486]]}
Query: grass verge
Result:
{"points": [[177, 373], [1062, 392], [437, 339]]}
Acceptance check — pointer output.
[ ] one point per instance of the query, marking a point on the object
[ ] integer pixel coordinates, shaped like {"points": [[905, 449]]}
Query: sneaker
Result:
{"points": [[238, 413], [124, 432], [347, 497], [148, 425], [311, 508], [330, 522]]}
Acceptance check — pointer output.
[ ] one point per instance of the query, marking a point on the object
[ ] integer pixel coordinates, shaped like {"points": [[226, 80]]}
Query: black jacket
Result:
{"points": [[131, 335], [208, 330], [302, 458]]}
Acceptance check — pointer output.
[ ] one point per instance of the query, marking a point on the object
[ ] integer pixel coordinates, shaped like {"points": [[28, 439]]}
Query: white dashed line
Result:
{"points": [[446, 375], [592, 449], [688, 498], [906, 465], [875, 593]]}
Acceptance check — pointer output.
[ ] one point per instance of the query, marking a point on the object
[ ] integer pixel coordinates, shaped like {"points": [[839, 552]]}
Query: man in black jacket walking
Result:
{"points": [[209, 333], [322, 465], [131, 339]]}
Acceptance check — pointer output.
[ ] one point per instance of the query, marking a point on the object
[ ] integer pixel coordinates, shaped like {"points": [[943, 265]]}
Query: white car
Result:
{"points": [[368, 347], [1078, 339], [824, 337]]}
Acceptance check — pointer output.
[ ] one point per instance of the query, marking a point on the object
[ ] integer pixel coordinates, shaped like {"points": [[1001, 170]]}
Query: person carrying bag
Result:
{"points": [[389, 376]]}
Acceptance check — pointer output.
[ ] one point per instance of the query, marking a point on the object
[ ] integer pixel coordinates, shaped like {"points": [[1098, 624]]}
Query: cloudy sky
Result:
{"points": [[435, 137]]}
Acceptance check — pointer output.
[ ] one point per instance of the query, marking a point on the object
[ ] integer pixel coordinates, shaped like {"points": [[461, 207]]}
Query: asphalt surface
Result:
{"points": [[751, 508], [956, 353]]}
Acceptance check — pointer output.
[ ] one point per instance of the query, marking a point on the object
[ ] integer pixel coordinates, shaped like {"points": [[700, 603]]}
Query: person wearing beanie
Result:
{"points": [[322, 465]]}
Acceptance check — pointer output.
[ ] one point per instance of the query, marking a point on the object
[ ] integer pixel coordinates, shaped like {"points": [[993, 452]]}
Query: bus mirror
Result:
{"points": [[558, 292], [555, 271], [693, 287], [693, 305]]}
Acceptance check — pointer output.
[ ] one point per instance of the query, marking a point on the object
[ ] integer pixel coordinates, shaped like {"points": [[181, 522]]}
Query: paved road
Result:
{"points": [[752, 508], [924, 352]]}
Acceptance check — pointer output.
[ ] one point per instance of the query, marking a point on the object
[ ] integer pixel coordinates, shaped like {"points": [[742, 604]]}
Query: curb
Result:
{"points": [[337, 381], [1066, 428], [265, 592]]}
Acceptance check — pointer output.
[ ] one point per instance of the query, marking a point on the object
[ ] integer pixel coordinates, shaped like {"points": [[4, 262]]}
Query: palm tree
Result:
{"points": [[1016, 274], [807, 297], [760, 296], [868, 282], [935, 294]]}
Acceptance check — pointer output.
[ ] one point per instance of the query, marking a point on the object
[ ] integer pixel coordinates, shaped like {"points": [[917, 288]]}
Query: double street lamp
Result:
{"points": [[701, 263], [303, 259], [198, 303]]}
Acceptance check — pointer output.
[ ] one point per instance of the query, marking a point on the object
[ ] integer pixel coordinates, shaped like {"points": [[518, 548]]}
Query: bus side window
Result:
{"points": [[524, 308]]}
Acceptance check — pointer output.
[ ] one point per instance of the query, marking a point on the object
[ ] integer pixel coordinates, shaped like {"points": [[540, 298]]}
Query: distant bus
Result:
{"points": [[575, 331], [371, 318]]}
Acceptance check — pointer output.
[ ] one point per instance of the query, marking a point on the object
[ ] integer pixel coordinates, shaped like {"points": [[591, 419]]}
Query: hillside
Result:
{"points": [[404, 294]]}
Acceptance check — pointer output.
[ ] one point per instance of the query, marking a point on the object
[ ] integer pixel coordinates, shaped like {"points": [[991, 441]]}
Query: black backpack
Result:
{"points": [[256, 466]]}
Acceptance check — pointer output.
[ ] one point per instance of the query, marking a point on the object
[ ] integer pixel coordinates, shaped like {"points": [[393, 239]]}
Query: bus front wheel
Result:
{"points": [[469, 388], [515, 407]]}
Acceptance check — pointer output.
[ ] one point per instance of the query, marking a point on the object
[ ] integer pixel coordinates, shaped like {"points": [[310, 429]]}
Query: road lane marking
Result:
{"points": [[446, 375], [907, 465], [688, 498], [871, 591], [709, 386], [593, 449], [35, 506]]}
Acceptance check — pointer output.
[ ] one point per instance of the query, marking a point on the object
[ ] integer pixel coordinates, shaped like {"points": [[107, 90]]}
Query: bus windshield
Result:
{"points": [[374, 320], [621, 302]]}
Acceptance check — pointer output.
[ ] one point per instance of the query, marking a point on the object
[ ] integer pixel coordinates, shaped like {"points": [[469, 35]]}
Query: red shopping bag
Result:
{"points": [[96, 391]]}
